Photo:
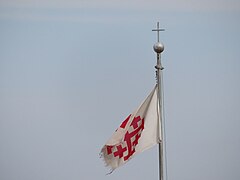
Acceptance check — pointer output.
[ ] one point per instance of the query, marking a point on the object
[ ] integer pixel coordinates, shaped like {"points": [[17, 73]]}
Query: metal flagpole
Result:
{"points": [[158, 48]]}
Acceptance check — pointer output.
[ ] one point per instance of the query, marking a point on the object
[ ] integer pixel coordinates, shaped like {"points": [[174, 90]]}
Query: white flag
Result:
{"points": [[138, 132]]}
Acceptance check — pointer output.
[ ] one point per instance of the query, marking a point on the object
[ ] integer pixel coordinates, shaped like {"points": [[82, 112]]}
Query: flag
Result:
{"points": [[138, 132]]}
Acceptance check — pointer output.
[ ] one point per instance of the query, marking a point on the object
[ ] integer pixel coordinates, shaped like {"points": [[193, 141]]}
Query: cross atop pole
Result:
{"points": [[158, 30], [158, 48]]}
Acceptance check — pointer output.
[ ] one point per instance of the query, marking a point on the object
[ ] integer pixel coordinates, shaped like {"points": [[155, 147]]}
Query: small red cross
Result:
{"points": [[109, 149], [120, 151], [135, 122], [124, 123]]}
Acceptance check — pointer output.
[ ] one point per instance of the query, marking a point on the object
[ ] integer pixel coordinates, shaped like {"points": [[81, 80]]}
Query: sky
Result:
{"points": [[72, 71]]}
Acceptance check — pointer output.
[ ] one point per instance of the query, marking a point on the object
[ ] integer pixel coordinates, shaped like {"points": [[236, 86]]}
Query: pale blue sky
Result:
{"points": [[70, 72]]}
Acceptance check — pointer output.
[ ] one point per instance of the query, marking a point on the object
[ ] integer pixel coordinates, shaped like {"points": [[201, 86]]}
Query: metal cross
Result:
{"points": [[158, 30]]}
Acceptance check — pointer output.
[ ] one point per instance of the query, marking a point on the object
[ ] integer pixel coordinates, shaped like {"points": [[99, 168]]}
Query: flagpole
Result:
{"points": [[158, 48]]}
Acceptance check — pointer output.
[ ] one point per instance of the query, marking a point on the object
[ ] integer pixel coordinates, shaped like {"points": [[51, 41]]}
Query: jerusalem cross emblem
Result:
{"points": [[126, 148]]}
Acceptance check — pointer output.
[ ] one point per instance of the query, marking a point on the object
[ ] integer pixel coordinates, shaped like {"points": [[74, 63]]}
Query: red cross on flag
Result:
{"points": [[138, 132]]}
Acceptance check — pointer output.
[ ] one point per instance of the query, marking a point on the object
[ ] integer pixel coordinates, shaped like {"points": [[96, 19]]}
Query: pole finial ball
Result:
{"points": [[158, 47]]}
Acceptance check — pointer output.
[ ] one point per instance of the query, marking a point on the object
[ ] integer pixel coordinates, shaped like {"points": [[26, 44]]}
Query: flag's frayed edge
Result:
{"points": [[101, 155]]}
